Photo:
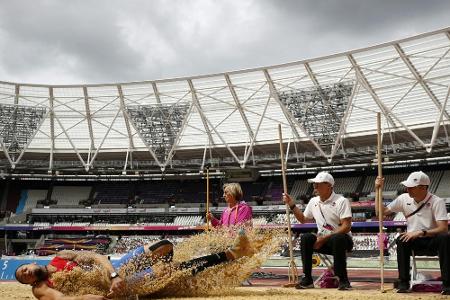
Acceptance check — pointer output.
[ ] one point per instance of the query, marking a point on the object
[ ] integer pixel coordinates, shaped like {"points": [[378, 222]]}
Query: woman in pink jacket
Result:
{"points": [[237, 211]]}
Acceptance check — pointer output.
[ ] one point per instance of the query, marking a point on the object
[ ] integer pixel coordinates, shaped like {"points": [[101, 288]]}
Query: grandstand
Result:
{"points": [[124, 163], [326, 107], [53, 245]]}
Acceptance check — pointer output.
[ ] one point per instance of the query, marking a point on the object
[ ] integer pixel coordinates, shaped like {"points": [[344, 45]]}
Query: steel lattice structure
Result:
{"points": [[159, 127], [18, 124], [320, 111], [231, 118]]}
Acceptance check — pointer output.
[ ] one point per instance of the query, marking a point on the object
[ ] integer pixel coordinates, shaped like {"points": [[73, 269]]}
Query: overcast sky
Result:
{"points": [[104, 41]]}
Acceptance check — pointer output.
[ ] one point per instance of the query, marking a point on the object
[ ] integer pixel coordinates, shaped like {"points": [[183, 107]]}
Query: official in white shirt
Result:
{"points": [[333, 216], [427, 228]]}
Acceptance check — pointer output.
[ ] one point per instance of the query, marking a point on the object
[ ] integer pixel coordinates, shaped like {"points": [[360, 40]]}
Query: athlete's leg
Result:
{"points": [[240, 248], [160, 250]]}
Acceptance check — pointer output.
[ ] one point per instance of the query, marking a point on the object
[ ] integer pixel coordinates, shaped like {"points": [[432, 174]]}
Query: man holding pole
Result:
{"points": [[333, 216], [427, 227]]}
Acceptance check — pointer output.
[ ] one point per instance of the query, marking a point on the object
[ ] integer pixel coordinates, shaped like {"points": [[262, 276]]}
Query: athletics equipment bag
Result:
{"points": [[327, 280]]}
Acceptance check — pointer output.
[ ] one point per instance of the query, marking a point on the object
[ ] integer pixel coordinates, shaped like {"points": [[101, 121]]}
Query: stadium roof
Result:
{"points": [[326, 106]]}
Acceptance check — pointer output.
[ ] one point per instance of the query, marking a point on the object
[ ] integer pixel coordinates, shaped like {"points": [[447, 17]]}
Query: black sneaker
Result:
{"points": [[344, 285], [305, 283], [445, 290], [403, 287]]}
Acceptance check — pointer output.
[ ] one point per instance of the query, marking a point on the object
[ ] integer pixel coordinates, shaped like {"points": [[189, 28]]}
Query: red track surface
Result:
{"points": [[363, 278]]}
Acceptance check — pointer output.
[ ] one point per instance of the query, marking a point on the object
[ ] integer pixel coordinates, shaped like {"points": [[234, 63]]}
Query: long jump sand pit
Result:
{"points": [[15, 291], [221, 281]]}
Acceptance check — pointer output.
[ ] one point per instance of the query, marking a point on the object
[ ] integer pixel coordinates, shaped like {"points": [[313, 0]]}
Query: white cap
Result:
{"points": [[416, 178], [323, 177]]}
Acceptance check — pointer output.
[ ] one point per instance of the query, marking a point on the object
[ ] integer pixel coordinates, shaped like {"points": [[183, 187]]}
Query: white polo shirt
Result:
{"points": [[334, 209], [426, 218]]}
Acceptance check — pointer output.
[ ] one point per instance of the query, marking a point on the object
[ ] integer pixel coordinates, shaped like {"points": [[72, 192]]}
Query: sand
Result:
{"points": [[221, 281], [12, 291]]}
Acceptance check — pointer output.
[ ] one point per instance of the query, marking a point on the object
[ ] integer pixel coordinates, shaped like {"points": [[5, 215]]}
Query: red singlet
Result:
{"points": [[61, 264]]}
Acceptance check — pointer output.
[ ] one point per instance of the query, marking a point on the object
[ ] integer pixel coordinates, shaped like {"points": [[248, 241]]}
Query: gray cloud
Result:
{"points": [[70, 42]]}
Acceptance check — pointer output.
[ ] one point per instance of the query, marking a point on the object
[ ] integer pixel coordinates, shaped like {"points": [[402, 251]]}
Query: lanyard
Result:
{"points": [[323, 216], [235, 215], [420, 207]]}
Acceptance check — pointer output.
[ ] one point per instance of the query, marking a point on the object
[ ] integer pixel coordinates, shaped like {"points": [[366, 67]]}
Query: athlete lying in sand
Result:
{"points": [[40, 277]]}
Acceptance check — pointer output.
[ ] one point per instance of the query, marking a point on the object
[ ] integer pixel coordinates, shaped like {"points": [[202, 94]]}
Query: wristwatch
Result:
{"points": [[113, 275], [424, 232]]}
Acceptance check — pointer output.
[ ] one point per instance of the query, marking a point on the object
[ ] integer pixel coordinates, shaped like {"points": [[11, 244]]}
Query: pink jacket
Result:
{"points": [[237, 214]]}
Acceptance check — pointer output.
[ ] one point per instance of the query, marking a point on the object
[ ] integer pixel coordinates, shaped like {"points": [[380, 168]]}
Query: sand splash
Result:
{"points": [[168, 279]]}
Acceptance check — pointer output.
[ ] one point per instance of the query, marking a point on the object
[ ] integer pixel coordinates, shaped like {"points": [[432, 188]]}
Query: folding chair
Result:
{"points": [[421, 256], [325, 259]]}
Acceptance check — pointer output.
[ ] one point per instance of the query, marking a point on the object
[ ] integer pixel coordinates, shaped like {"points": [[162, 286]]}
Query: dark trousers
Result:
{"points": [[337, 245], [437, 245], [199, 264]]}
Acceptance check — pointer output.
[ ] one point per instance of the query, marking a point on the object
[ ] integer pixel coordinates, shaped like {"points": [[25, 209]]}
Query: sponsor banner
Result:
{"points": [[178, 227], [9, 264]]}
